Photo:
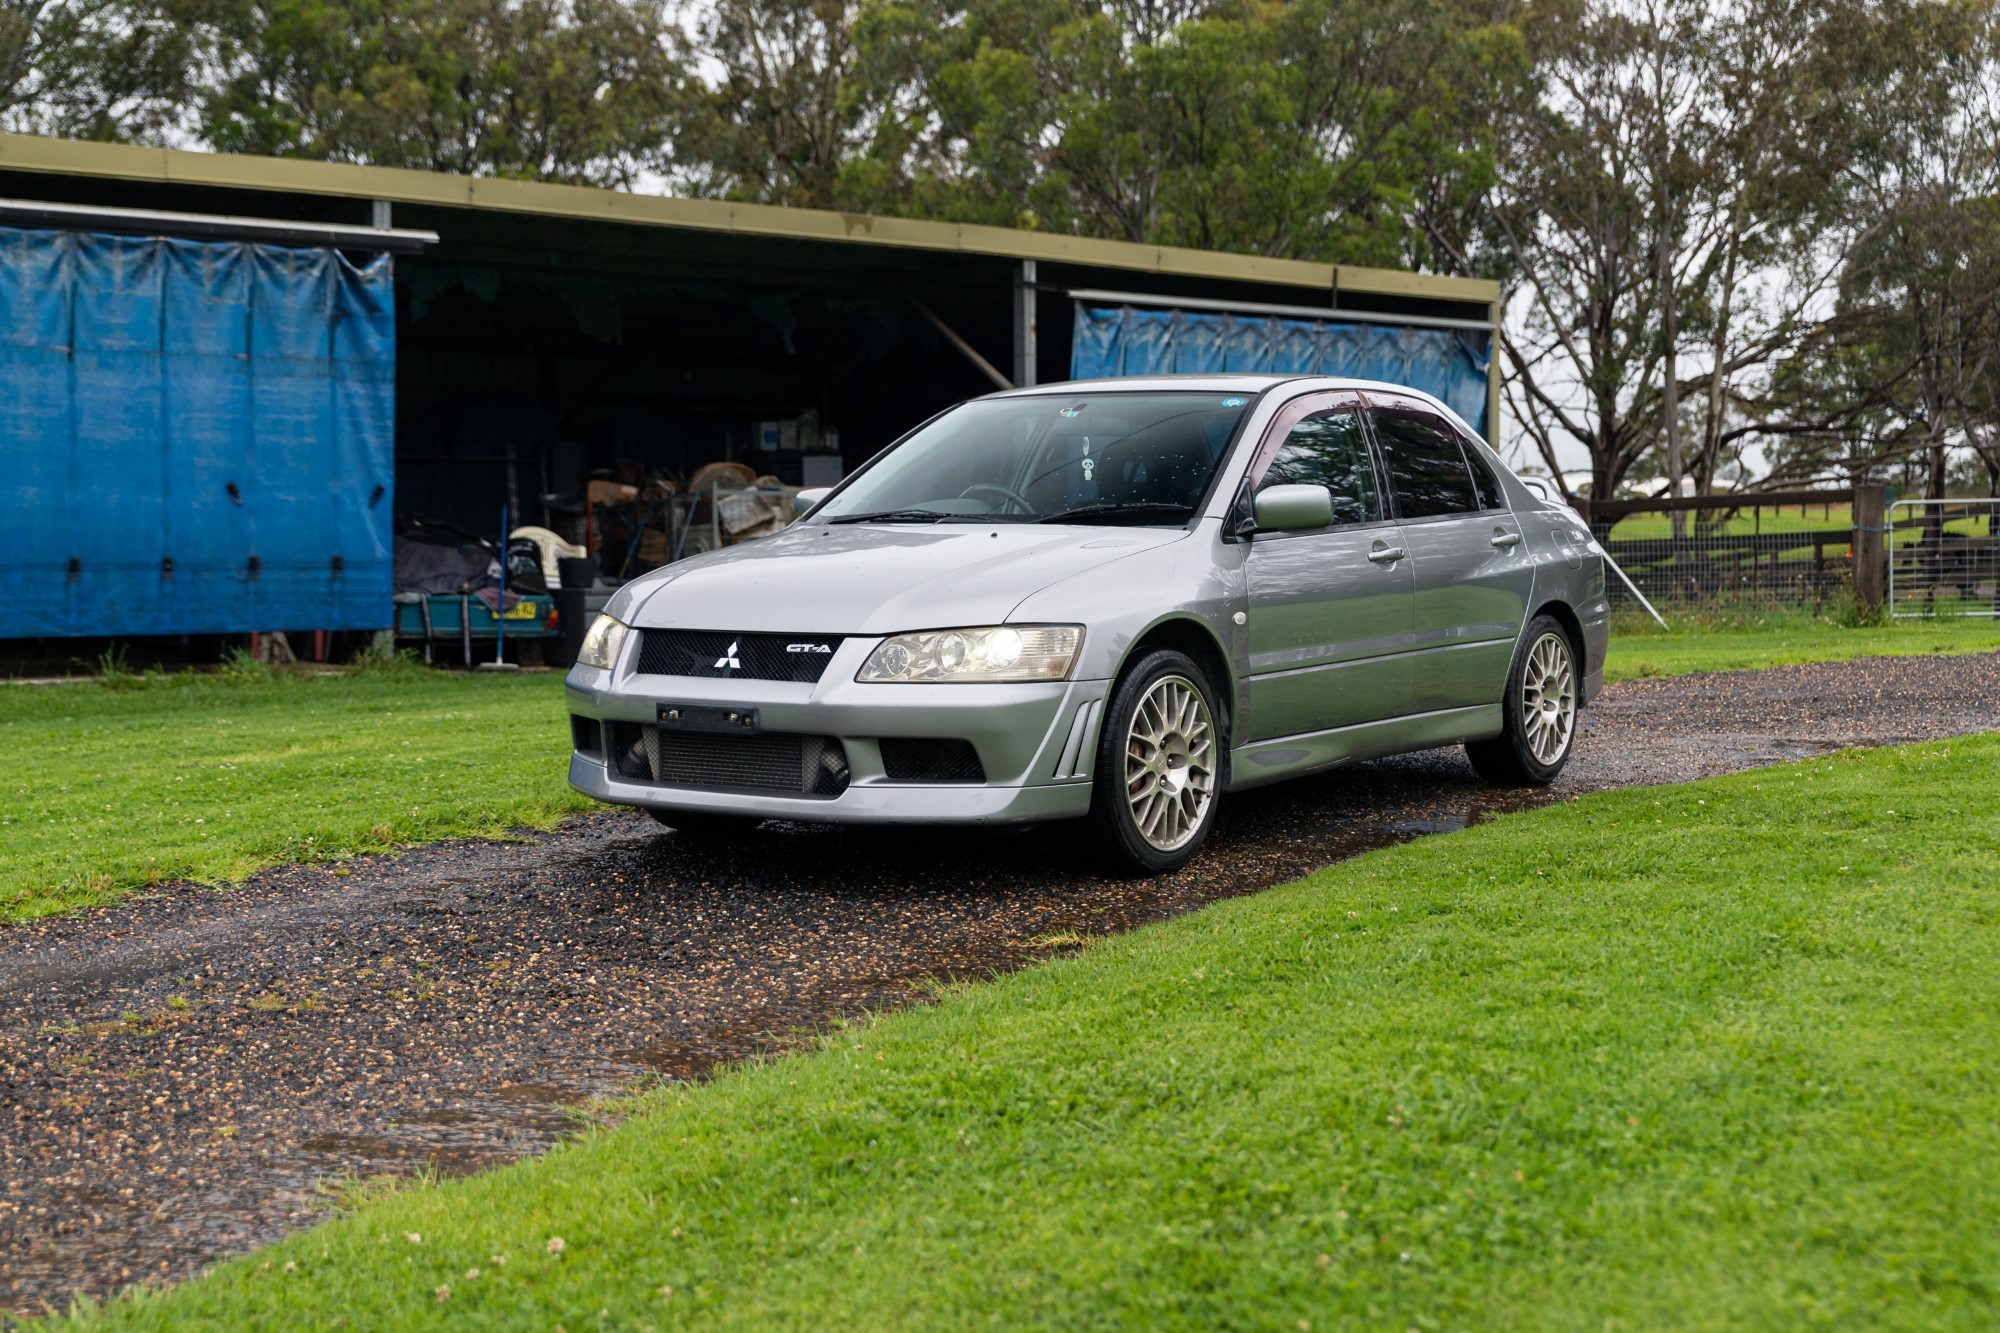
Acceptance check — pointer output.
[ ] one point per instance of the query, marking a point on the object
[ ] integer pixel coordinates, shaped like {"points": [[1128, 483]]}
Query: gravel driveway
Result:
{"points": [[184, 1071]]}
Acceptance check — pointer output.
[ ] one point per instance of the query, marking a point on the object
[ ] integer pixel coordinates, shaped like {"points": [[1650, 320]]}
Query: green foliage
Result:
{"points": [[240, 666], [381, 657], [1846, 609], [1303, 131], [97, 69], [114, 669], [1660, 1057], [569, 90]]}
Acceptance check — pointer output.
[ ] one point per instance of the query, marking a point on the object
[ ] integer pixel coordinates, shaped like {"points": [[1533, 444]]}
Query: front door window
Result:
{"points": [[1328, 449]]}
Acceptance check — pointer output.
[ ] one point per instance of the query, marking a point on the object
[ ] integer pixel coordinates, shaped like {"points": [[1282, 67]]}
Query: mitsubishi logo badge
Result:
{"points": [[728, 661]]}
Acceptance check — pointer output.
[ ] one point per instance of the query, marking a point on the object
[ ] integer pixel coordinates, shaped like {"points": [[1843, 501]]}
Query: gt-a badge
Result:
{"points": [[807, 648]]}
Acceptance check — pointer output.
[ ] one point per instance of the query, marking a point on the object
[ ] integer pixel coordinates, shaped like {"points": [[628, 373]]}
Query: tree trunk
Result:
{"points": [[1934, 490], [1670, 370]]}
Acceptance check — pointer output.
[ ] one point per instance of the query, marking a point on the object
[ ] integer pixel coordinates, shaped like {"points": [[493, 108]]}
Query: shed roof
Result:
{"points": [[174, 166]]}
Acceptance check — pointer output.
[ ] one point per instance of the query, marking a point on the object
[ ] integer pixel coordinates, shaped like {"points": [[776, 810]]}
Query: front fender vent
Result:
{"points": [[905, 759]]}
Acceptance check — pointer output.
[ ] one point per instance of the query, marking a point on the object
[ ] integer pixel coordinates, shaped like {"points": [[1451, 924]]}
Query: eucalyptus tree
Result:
{"points": [[567, 90], [96, 69], [1303, 130]]}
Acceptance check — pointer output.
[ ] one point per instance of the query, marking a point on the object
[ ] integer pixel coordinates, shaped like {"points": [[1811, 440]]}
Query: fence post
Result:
{"points": [[1871, 506]]}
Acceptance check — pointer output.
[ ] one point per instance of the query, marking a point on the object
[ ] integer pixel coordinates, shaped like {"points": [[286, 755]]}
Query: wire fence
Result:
{"points": [[1943, 558], [1793, 550]]}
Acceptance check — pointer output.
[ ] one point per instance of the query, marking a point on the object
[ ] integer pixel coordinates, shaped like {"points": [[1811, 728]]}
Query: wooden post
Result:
{"points": [[1871, 565]]}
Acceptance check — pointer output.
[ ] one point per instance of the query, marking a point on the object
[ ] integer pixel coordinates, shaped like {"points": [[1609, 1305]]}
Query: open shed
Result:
{"points": [[222, 375]]}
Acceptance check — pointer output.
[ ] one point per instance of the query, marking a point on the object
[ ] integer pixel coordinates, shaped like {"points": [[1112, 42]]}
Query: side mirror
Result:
{"points": [[804, 500], [1293, 508]]}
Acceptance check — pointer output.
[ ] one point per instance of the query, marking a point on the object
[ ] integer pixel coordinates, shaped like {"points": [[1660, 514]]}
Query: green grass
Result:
{"points": [[110, 788], [1807, 519], [1711, 1056], [1640, 648], [123, 784]]}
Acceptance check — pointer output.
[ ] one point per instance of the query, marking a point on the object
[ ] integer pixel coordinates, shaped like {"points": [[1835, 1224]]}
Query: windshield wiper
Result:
{"points": [[1103, 507], [896, 516]]}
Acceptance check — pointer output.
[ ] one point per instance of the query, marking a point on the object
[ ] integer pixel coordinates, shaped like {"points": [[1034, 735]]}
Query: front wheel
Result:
{"points": [[1159, 766], [1538, 712]]}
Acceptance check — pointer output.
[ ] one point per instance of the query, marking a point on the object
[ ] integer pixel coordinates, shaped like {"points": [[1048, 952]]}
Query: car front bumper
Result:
{"points": [[1036, 743]]}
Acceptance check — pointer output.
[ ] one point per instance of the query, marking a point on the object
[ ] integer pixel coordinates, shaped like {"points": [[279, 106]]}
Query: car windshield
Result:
{"points": [[1133, 457]]}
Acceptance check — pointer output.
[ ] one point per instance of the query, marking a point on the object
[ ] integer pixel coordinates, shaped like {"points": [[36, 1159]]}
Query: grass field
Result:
{"points": [[118, 786], [1971, 521], [1640, 648], [1659, 1057], [114, 787]]}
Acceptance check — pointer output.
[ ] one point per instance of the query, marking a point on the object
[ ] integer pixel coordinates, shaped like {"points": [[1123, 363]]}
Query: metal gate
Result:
{"points": [[1943, 558]]}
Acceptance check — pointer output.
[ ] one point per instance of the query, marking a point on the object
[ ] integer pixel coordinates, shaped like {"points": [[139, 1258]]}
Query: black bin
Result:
{"points": [[575, 573]]}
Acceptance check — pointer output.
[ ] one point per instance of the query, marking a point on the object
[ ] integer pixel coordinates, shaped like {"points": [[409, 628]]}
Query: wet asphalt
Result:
{"points": [[184, 1075]]}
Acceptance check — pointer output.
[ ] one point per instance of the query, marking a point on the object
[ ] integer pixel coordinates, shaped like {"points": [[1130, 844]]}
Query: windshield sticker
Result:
{"points": [[1070, 411], [1232, 402]]}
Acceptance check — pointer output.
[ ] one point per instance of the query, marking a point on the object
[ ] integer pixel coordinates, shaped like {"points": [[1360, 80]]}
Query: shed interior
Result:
{"points": [[536, 352]]}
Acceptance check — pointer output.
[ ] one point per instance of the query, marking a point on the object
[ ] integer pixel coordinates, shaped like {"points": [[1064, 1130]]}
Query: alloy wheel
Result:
{"points": [[1548, 699], [1170, 763]]}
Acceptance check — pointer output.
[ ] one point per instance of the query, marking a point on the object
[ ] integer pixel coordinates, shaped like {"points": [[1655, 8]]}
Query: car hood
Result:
{"points": [[874, 579]]}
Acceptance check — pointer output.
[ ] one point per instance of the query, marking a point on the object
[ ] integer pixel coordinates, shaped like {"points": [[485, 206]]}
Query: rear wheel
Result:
{"points": [[1159, 766], [1538, 712], [704, 826]]}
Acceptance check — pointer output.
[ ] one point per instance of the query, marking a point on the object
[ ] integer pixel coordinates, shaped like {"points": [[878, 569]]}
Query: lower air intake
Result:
{"points": [[777, 762]]}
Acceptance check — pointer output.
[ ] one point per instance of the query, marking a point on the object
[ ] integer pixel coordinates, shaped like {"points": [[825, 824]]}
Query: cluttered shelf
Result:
{"points": [[455, 594], [640, 524]]}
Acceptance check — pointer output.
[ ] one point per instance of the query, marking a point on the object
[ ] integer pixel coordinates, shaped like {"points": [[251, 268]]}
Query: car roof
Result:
{"points": [[1226, 383], [1221, 382], [1241, 382]]}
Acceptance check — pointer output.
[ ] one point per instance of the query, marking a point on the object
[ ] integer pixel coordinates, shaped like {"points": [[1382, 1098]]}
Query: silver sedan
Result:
{"points": [[1111, 600]]}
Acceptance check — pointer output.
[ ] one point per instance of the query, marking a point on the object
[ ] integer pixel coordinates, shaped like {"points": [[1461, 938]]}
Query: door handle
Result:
{"points": [[1386, 555], [1504, 539]]}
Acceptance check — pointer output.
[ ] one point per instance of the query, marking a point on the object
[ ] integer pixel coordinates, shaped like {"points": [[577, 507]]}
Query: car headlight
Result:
{"points": [[602, 643], [976, 656]]}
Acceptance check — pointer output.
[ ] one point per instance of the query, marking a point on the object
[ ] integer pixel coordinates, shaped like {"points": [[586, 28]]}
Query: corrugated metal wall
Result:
{"points": [[1122, 340], [195, 436]]}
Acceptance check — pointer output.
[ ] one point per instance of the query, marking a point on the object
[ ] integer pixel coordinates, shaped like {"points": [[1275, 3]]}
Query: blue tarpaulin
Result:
{"points": [[1123, 340], [195, 436]]}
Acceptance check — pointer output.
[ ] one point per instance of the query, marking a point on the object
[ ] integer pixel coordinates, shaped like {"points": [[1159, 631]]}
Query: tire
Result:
{"points": [[702, 826], [1538, 711], [1160, 738]]}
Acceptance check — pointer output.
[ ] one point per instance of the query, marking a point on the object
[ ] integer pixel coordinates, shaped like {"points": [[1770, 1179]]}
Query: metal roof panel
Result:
{"points": [[21, 152]]}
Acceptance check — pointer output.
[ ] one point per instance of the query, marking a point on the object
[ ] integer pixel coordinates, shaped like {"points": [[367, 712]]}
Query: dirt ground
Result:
{"points": [[185, 1073]]}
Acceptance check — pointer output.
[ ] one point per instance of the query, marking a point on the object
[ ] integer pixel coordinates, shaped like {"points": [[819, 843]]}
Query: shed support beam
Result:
{"points": [[965, 348], [1493, 390], [1024, 324]]}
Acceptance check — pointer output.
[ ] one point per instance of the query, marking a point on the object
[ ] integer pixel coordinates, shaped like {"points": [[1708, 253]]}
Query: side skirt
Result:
{"points": [[1283, 757]]}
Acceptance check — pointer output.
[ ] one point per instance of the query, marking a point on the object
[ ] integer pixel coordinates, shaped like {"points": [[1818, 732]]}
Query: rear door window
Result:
{"points": [[1427, 471]]}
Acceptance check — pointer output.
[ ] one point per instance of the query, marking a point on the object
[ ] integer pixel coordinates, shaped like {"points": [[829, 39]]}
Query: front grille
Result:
{"points": [[719, 655], [792, 764], [905, 759]]}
